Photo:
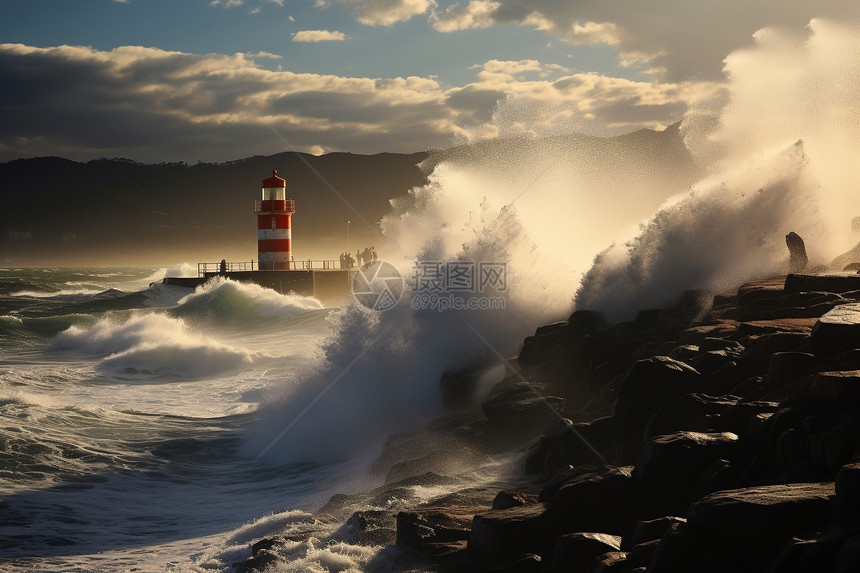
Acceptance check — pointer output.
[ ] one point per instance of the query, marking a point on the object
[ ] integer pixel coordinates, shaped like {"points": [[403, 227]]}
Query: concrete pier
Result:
{"points": [[332, 287]]}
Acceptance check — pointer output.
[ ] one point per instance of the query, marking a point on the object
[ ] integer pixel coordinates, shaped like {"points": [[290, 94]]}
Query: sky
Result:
{"points": [[217, 80]]}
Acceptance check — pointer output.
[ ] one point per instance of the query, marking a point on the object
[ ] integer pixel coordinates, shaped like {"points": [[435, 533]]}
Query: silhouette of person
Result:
{"points": [[223, 267], [373, 254]]}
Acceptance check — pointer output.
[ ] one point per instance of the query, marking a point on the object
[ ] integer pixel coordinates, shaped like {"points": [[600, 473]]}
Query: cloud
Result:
{"points": [[226, 3], [679, 40], [478, 14], [382, 12], [156, 105], [318, 36]]}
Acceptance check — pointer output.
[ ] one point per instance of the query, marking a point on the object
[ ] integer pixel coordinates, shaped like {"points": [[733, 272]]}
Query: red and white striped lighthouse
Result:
{"points": [[274, 239]]}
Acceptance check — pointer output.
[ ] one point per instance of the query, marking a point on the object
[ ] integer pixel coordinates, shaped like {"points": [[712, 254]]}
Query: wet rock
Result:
{"points": [[684, 353], [691, 412], [587, 322], [848, 492], [432, 526], [580, 444], [653, 529], [787, 366], [642, 554], [766, 515], [449, 461], [510, 498], [615, 561], [596, 499], [575, 551], [369, 527], [848, 558], [669, 467], [821, 283], [813, 553], [513, 531], [681, 551], [769, 344], [840, 387], [517, 411], [447, 555], [256, 564], [649, 385], [838, 330], [737, 417], [525, 564]]}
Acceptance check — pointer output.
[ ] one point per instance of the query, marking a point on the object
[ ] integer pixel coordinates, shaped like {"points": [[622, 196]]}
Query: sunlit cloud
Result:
{"points": [[226, 3], [151, 104], [381, 12], [477, 14], [675, 40], [318, 36]]}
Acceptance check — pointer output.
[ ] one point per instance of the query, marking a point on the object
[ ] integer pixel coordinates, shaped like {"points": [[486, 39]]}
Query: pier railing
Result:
{"points": [[204, 269]]}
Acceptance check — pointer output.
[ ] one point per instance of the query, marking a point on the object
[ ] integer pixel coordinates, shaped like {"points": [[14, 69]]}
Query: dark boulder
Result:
{"points": [[848, 558], [587, 322], [739, 416], [649, 385], [765, 515], [575, 551], [670, 466], [614, 561], [653, 529], [787, 366], [511, 498], [432, 526], [691, 412], [369, 527], [821, 283], [517, 411], [596, 499], [842, 387], [505, 533], [580, 444], [848, 492], [838, 330]]}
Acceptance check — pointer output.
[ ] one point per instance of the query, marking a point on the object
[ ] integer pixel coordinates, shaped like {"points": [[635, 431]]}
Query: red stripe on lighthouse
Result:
{"points": [[265, 221], [273, 245]]}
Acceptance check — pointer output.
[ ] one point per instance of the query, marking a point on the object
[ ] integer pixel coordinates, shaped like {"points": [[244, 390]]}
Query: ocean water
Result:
{"points": [[122, 413]]}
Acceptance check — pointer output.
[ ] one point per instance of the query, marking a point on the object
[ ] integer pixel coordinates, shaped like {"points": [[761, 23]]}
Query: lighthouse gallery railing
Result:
{"points": [[204, 269]]}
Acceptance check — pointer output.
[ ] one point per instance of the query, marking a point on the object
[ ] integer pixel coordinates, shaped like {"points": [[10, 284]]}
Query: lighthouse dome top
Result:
{"points": [[274, 180]]}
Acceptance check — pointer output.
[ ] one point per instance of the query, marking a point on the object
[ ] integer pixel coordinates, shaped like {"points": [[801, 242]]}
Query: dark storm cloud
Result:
{"points": [[152, 105]]}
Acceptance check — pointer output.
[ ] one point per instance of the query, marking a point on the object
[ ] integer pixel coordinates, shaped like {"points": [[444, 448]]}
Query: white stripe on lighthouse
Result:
{"points": [[263, 234]]}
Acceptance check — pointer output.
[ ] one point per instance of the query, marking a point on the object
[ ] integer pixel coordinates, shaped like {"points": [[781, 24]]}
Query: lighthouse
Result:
{"points": [[274, 239]]}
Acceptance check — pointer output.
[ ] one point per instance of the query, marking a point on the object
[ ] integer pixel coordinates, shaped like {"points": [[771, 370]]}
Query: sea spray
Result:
{"points": [[379, 372], [781, 158]]}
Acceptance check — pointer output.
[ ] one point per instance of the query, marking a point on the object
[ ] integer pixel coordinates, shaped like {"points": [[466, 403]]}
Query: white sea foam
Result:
{"points": [[152, 342], [231, 299]]}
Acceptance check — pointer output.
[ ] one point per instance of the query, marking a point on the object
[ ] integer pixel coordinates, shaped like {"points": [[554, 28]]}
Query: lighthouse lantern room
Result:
{"points": [[274, 238]]}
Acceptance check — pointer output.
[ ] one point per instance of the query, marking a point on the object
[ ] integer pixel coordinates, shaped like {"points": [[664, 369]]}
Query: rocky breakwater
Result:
{"points": [[684, 440]]}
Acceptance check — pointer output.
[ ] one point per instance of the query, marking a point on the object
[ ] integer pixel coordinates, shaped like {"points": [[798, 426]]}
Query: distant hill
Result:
{"points": [[118, 212]]}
